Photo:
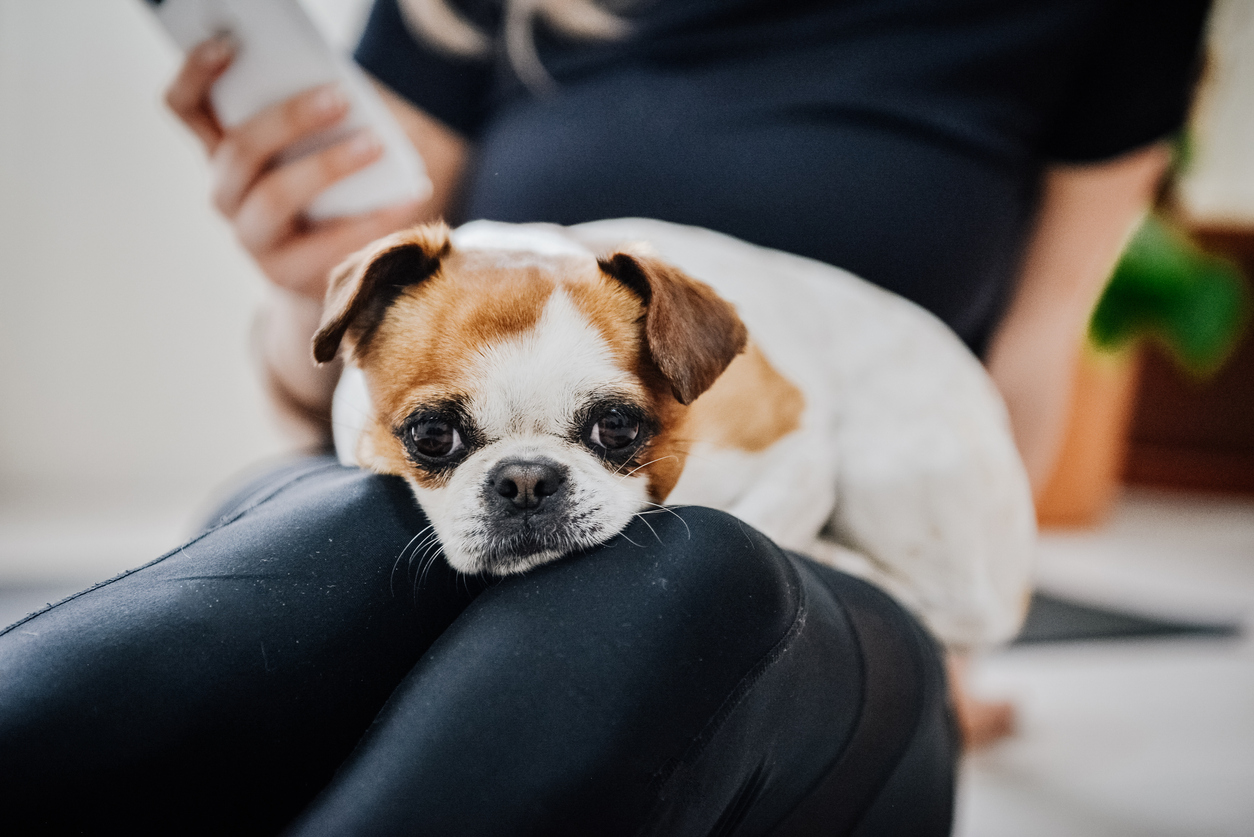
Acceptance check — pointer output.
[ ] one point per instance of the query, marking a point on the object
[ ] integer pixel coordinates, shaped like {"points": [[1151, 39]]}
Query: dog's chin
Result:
{"points": [[520, 551], [506, 563]]}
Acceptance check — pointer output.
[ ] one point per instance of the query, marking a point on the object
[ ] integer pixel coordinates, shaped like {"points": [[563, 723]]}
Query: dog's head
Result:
{"points": [[534, 401]]}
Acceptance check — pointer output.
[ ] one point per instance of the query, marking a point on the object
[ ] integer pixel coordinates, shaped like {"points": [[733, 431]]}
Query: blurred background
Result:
{"points": [[129, 398], [128, 402]]}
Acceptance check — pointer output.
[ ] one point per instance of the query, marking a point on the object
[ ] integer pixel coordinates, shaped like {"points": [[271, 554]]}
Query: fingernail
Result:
{"points": [[364, 144], [327, 100], [216, 50]]}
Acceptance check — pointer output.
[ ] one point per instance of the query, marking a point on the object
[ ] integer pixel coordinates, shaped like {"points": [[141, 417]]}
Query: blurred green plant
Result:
{"points": [[1168, 289]]}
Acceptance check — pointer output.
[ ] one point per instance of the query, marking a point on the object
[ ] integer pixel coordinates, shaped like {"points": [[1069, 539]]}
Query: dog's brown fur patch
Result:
{"points": [[692, 333], [750, 407], [363, 284]]}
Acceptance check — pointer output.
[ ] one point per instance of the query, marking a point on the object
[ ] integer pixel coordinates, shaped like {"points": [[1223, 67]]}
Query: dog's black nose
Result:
{"points": [[526, 484]]}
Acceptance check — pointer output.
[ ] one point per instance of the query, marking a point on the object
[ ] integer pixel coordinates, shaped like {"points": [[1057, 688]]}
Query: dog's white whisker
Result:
{"points": [[460, 582], [661, 508], [679, 444], [620, 468], [414, 555], [651, 529], [645, 465], [423, 547], [425, 563], [429, 547], [401, 557], [424, 530], [428, 562], [621, 476]]}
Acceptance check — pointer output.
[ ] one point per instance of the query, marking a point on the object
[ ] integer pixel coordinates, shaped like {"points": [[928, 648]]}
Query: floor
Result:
{"points": [[1121, 738], [1130, 738]]}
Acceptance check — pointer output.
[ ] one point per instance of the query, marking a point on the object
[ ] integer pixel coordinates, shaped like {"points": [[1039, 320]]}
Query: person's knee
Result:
{"points": [[626, 655], [692, 580], [704, 541]]}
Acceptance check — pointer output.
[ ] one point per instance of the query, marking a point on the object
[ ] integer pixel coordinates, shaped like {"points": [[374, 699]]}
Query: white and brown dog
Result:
{"points": [[538, 386]]}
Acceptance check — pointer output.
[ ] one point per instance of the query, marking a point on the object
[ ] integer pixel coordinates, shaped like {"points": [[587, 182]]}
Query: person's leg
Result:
{"points": [[665, 684], [895, 777], [217, 689], [687, 678]]}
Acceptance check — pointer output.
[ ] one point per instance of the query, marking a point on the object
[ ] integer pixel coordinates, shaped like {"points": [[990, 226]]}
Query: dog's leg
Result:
{"points": [[793, 497]]}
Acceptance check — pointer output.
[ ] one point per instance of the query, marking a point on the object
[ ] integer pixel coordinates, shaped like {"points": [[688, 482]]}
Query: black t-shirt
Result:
{"points": [[900, 139]]}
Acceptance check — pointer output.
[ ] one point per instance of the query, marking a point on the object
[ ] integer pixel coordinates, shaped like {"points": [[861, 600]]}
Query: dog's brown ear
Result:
{"points": [[692, 333], [365, 283]]}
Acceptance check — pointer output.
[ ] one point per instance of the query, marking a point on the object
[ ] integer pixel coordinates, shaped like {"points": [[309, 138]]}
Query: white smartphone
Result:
{"points": [[279, 53]]}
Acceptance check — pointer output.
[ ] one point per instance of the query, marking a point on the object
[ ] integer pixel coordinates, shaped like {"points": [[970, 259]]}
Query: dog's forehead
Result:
{"points": [[536, 380], [523, 338], [512, 267], [490, 248], [541, 239]]}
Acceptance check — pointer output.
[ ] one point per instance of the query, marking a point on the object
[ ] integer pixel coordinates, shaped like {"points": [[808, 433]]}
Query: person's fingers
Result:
{"points": [[188, 94], [303, 264], [248, 150], [273, 207]]}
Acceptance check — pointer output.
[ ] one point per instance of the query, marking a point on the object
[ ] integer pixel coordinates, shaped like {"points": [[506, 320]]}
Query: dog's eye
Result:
{"points": [[615, 430], [435, 438]]}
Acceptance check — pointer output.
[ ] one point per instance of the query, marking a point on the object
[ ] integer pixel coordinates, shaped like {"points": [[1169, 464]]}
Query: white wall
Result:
{"points": [[1219, 188], [127, 396]]}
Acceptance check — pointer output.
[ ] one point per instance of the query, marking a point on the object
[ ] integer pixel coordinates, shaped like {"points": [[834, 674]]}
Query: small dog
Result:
{"points": [[538, 386]]}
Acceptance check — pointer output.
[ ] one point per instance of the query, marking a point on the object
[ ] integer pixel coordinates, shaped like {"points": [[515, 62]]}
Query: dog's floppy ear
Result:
{"points": [[365, 283], [692, 333]]}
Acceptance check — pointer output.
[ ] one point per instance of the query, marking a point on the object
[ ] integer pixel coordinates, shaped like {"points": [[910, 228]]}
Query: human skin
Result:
{"points": [[1087, 214], [264, 203]]}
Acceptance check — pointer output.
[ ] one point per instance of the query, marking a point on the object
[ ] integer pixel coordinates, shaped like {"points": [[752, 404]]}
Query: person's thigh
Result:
{"points": [[686, 678], [216, 689]]}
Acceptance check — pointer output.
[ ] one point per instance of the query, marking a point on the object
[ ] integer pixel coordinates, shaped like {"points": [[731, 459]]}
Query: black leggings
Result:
{"points": [[294, 668]]}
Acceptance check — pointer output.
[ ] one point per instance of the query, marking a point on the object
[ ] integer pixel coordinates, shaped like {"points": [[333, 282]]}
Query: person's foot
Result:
{"points": [[980, 722]]}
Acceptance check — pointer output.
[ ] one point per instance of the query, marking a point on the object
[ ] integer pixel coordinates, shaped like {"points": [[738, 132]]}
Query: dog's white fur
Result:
{"points": [[903, 470]]}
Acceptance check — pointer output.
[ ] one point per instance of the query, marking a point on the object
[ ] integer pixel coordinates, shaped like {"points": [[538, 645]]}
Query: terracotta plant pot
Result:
{"points": [[1087, 476]]}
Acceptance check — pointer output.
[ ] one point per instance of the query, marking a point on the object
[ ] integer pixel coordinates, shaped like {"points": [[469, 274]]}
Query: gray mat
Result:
{"points": [[1055, 619]]}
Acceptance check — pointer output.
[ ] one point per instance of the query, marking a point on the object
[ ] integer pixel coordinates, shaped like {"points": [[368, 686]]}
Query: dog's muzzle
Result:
{"points": [[528, 511]]}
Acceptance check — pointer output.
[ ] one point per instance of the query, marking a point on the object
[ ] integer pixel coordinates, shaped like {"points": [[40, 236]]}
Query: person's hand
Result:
{"points": [[263, 199]]}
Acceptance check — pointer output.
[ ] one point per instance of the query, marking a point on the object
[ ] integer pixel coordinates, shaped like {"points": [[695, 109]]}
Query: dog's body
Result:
{"points": [[848, 424]]}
